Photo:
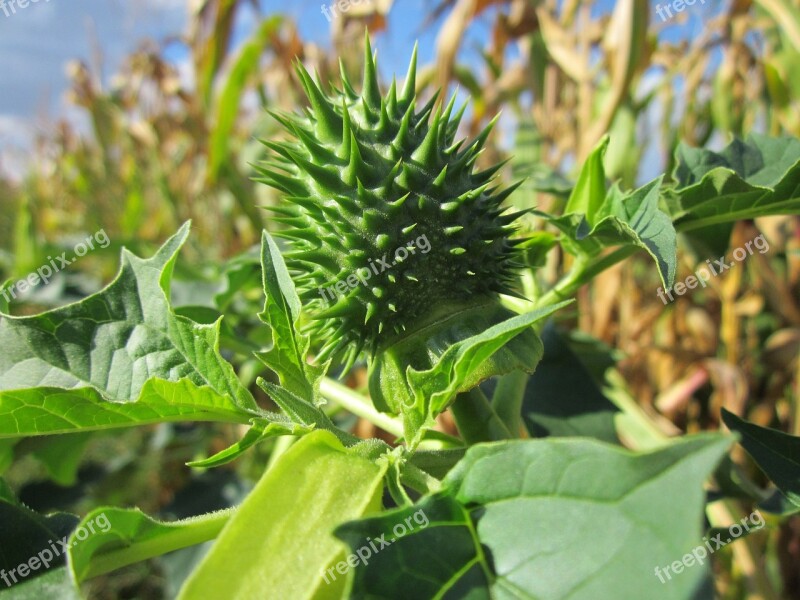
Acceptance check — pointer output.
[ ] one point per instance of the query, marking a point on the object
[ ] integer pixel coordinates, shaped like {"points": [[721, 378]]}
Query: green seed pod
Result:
{"points": [[399, 245]]}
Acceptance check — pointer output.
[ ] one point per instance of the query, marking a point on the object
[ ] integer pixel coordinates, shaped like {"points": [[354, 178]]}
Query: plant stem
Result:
{"points": [[359, 406], [508, 399], [420, 481], [183, 536], [476, 420], [582, 273]]}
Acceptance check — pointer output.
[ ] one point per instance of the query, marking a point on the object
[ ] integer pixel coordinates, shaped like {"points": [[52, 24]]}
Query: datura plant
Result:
{"points": [[367, 179], [398, 248]]}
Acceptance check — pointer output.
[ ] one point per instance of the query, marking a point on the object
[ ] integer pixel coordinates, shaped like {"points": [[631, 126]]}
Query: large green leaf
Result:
{"points": [[555, 518], [280, 541], [111, 538], [117, 358], [39, 411], [775, 452], [754, 178], [118, 339], [643, 523]]}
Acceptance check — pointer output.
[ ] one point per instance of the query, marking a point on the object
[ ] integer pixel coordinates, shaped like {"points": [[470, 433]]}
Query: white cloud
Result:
{"points": [[37, 41]]}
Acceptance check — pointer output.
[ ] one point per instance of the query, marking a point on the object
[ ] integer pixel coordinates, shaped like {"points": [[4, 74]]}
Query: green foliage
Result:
{"points": [[112, 344], [775, 452], [132, 536], [536, 508], [286, 554], [748, 179], [597, 218]]}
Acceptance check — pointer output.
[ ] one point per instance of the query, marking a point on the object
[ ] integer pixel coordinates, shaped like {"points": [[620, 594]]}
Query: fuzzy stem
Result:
{"points": [[358, 405], [582, 273], [508, 399], [476, 420], [420, 481]]}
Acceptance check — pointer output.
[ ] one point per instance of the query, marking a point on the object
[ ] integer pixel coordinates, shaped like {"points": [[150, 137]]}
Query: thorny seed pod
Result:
{"points": [[400, 245]]}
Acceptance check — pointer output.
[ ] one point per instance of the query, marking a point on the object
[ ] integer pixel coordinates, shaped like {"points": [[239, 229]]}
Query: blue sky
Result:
{"points": [[36, 43]]}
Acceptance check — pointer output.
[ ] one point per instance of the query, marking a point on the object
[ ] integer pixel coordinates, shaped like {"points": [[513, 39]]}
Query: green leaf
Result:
{"points": [[61, 456], [276, 544], [436, 387], [434, 553], [631, 219], [24, 534], [776, 453], [754, 178], [40, 411], [118, 339], [546, 519], [260, 431], [111, 538], [287, 357], [589, 192], [561, 398], [113, 350], [636, 512]]}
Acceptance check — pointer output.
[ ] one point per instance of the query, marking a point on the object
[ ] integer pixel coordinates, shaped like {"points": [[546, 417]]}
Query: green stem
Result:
{"points": [[508, 399], [476, 420], [282, 444], [359, 406], [419, 480], [582, 273], [189, 534]]}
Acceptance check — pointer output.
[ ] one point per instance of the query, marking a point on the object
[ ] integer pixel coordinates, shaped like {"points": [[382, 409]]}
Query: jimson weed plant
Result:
{"points": [[534, 498], [365, 172]]}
